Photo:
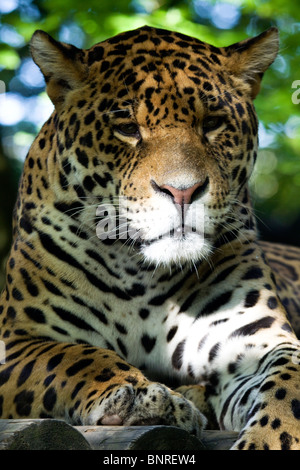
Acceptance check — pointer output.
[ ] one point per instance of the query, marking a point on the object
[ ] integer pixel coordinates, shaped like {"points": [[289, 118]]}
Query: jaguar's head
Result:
{"points": [[158, 129]]}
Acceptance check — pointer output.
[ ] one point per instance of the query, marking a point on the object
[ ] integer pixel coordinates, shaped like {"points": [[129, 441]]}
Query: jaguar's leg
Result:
{"points": [[265, 406], [86, 385]]}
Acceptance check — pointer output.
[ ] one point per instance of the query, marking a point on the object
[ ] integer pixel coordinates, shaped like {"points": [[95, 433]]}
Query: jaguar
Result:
{"points": [[137, 289]]}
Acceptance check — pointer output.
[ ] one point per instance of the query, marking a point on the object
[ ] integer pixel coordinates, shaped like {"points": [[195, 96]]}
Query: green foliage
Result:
{"points": [[276, 181]]}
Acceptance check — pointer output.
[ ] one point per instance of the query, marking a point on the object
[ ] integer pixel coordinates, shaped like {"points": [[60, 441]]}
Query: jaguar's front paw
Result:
{"points": [[150, 404]]}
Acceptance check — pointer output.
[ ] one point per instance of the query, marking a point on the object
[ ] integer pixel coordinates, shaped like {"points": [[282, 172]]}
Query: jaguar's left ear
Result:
{"points": [[250, 58], [62, 65]]}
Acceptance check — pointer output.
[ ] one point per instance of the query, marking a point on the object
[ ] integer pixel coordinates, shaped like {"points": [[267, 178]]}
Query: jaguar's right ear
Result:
{"points": [[62, 65]]}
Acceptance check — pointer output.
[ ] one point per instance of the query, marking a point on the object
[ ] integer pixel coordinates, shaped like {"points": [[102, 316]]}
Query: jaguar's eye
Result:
{"points": [[212, 123], [130, 129]]}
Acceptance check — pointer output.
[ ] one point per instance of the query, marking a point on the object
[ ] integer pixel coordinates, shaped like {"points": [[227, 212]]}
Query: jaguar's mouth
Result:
{"points": [[180, 233], [175, 247], [161, 234]]}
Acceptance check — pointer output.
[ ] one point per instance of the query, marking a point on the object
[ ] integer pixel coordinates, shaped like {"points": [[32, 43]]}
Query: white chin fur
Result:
{"points": [[170, 251]]}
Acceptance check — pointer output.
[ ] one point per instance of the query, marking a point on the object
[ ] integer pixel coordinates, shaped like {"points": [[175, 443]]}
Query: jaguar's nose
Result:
{"points": [[184, 195]]}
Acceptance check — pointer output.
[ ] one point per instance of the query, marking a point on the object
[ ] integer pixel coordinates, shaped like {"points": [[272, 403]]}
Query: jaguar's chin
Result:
{"points": [[168, 251]]}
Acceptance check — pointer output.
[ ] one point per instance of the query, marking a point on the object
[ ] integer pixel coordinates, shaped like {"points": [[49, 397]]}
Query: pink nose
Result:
{"points": [[181, 196]]}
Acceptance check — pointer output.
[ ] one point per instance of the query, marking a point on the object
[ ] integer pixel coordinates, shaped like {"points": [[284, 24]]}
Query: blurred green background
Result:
{"points": [[24, 106]]}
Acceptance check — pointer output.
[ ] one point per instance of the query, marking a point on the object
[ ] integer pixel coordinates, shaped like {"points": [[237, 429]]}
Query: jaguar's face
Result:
{"points": [[183, 158], [162, 129]]}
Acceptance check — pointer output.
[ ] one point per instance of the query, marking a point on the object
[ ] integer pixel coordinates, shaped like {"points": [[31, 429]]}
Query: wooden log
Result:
{"points": [[40, 434], [219, 440], [150, 438], [53, 434]]}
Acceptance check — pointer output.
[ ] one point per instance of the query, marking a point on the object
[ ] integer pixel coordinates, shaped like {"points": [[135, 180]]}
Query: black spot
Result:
{"points": [[276, 423], [122, 347], [100, 315], [105, 375], [25, 373], [35, 314], [254, 327], [95, 54], [23, 401], [89, 183], [82, 157], [104, 66], [25, 224], [138, 60], [49, 399], [177, 355], [188, 90], [296, 408], [11, 313], [267, 386], [246, 130], [69, 317], [136, 290], [130, 79], [286, 441], [251, 298], [123, 366], [189, 301], [79, 191], [78, 366], [272, 302], [17, 295], [280, 393], [207, 86], [49, 379], [121, 328], [144, 313], [240, 109], [216, 304], [54, 361], [287, 327], [242, 445], [42, 143], [77, 388], [103, 180], [245, 397], [5, 374], [280, 362], [148, 343], [89, 118], [224, 274], [46, 220], [63, 181], [81, 103], [52, 288], [253, 273], [285, 376], [214, 352], [264, 421], [106, 87], [232, 367], [30, 286], [172, 333]]}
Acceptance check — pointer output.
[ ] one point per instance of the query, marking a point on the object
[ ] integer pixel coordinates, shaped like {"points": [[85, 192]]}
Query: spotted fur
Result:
{"points": [[135, 261]]}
